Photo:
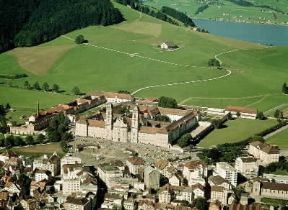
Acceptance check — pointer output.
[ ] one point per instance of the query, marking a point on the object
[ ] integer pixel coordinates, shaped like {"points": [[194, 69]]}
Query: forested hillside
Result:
{"points": [[31, 22]]}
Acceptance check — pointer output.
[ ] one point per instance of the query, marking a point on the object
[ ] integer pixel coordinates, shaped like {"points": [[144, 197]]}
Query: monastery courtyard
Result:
{"points": [[98, 151]]}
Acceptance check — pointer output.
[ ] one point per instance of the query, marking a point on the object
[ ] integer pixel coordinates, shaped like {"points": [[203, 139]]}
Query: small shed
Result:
{"points": [[168, 46]]}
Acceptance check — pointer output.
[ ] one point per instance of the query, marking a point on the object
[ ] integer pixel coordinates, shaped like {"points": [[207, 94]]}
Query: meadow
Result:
{"points": [[228, 11], [38, 150], [235, 131], [127, 57], [280, 139]]}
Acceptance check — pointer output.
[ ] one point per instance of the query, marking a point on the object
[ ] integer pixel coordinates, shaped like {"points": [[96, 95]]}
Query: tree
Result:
{"points": [[79, 39], [55, 88], [45, 86], [167, 102], [184, 141], [238, 114], [58, 129], [29, 140], [40, 138], [214, 62], [162, 118], [278, 114], [260, 116], [201, 204], [7, 107], [9, 141], [76, 90], [27, 85], [285, 88], [36, 86], [18, 141]]}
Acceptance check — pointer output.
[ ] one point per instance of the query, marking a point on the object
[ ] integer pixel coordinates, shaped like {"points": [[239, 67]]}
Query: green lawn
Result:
{"points": [[280, 139], [236, 130], [229, 11], [37, 150], [256, 79]]}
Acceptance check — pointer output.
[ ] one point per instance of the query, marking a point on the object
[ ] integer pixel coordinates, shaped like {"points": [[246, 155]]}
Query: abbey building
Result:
{"points": [[128, 122]]}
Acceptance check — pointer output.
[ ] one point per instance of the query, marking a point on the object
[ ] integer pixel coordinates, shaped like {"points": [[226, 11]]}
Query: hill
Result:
{"points": [[257, 11], [126, 56]]}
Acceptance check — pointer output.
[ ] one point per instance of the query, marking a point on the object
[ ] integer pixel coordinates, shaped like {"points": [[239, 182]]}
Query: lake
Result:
{"points": [[258, 33]]}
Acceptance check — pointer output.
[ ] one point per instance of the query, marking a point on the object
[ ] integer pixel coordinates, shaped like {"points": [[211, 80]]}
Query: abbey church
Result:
{"points": [[128, 122]]}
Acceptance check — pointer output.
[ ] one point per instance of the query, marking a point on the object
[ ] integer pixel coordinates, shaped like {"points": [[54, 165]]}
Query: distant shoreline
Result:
{"points": [[244, 22]]}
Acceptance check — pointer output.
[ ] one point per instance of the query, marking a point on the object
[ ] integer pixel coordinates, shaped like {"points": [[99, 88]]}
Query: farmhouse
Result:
{"points": [[128, 122], [168, 46]]}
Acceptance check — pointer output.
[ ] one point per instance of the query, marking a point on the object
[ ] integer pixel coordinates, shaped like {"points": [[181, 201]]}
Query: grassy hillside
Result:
{"points": [[257, 11], [126, 57], [280, 139]]}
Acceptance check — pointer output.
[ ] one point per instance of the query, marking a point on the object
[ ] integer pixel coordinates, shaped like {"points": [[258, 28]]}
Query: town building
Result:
{"points": [[227, 172], [51, 164], [195, 171], [218, 181], [270, 190], [134, 164], [151, 178], [247, 166], [69, 160], [281, 179], [220, 194], [266, 153]]}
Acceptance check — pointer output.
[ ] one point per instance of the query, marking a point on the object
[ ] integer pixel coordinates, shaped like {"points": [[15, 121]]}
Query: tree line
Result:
{"points": [[137, 5], [31, 22], [182, 17]]}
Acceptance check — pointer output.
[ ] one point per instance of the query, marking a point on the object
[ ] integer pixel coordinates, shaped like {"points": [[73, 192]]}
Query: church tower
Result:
{"points": [[109, 121], [135, 125]]}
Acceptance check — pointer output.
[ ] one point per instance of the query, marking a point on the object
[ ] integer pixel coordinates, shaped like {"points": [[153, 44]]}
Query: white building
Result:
{"points": [[69, 160], [114, 98], [219, 194], [108, 173], [227, 172], [40, 175], [51, 164], [168, 46], [266, 153], [134, 164], [247, 166], [195, 171]]}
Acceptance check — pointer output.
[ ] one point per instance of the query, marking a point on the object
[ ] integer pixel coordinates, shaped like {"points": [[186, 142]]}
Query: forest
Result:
{"points": [[32, 22]]}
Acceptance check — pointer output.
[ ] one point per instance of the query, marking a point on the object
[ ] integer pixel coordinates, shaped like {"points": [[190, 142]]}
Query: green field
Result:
{"points": [[235, 131], [280, 139], [228, 11], [126, 57], [38, 150]]}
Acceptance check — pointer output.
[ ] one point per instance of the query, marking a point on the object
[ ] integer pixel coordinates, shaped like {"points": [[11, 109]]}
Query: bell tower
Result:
{"points": [[109, 121], [135, 125]]}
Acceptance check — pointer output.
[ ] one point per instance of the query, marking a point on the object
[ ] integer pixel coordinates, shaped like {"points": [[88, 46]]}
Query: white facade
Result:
{"points": [[247, 166], [165, 196], [266, 153], [227, 172], [174, 180], [219, 194], [195, 172], [41, 175]]}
